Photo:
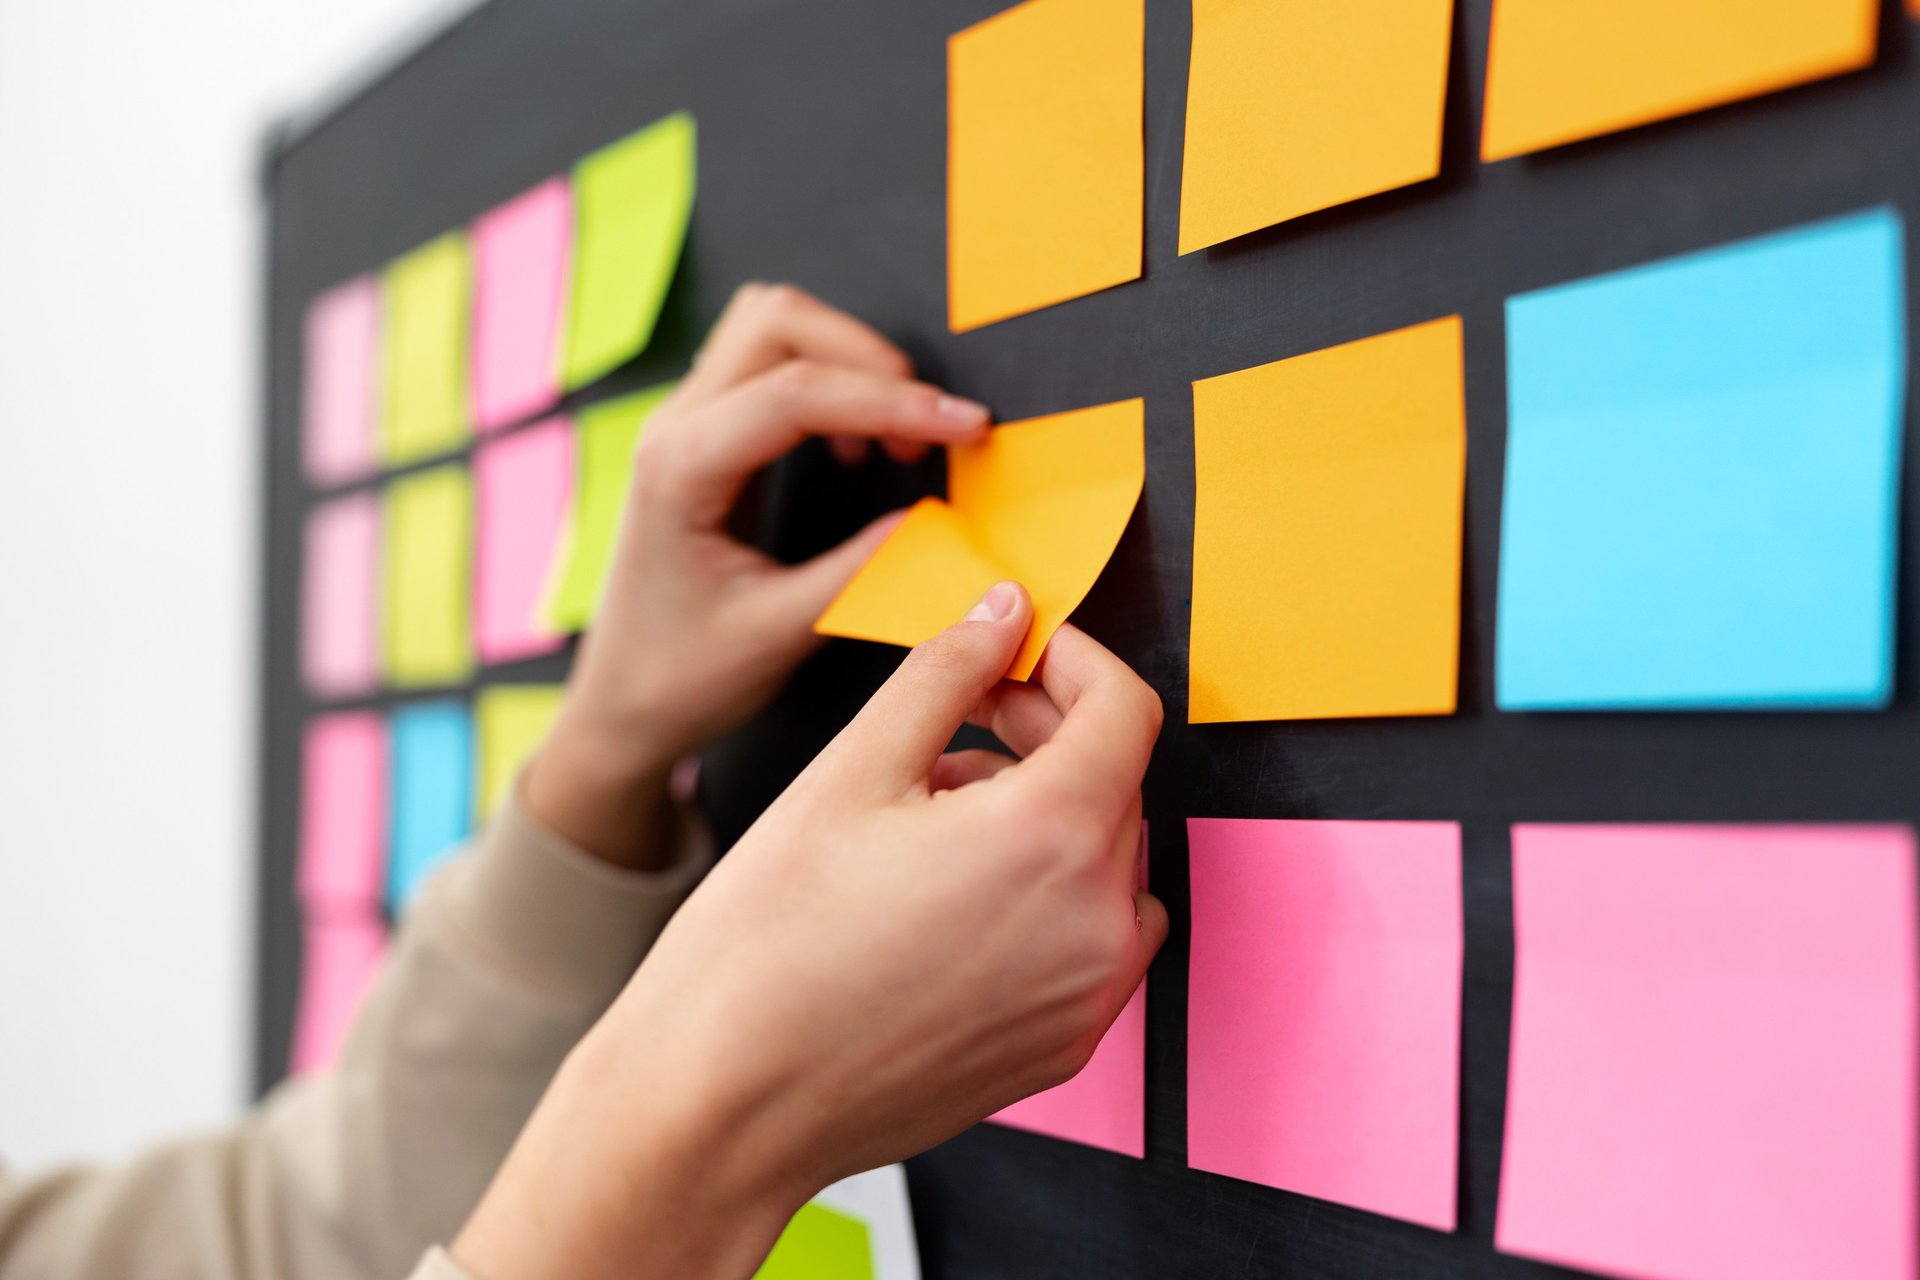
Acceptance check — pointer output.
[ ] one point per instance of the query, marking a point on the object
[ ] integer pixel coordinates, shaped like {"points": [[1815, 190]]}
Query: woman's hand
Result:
{"points": [[697, 630], [907, 941]]}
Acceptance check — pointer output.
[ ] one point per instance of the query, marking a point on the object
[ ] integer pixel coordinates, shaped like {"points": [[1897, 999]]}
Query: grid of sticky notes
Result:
{"points": [[1714, 1036], [486, 326], [460, 525], [1714, 1027], [1700, 509], [492, 558], [386, 797], [1294, 106]]}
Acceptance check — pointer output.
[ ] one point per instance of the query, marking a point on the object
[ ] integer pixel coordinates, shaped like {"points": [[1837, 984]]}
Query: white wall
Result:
{"points": [[128, 233]]}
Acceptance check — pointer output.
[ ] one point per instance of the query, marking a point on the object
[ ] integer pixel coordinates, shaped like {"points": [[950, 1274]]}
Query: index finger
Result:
{"points": [[766, 325], [1110, 719]]}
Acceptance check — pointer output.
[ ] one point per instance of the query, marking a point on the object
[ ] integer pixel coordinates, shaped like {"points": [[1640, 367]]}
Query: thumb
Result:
{"points": [[900, 734]]}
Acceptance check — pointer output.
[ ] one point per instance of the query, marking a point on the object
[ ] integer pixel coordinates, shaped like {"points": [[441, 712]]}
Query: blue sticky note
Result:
{"points": [[1703, 460], [432, 793]]}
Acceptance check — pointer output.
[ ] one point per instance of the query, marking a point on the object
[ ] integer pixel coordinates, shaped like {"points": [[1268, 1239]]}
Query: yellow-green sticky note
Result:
{"points": [[510, 720], [425, 295], [603, 463], [820, 1244], [429, 524], [631, 203]]}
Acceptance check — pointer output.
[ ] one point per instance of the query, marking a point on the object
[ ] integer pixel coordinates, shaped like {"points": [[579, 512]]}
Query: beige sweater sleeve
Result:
{"points": [[510, 953]]}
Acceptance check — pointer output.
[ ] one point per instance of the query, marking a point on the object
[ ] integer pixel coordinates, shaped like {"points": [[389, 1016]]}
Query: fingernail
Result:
{"points": [[996, 605], [955, 409]]}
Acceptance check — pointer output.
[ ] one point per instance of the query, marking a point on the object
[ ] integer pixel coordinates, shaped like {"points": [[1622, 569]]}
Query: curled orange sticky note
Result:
{"points": [[1041, 502]]}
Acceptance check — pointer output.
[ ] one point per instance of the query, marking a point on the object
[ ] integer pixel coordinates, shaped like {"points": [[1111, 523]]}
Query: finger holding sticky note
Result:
{"points": [[1041, 502]]}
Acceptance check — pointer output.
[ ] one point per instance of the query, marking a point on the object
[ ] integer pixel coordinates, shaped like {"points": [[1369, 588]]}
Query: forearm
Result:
{"points": [[510, 954], [604, 789]]}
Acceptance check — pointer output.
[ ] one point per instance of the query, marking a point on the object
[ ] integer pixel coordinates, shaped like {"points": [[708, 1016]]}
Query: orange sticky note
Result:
{"points": [[1561, 70], [1041, 502], [1044, 156], [1326, 532], [1297, 105]]}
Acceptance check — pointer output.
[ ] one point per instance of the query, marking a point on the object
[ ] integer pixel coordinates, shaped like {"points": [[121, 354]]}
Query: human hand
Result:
{"points": [[697, 629], [905, 942]]}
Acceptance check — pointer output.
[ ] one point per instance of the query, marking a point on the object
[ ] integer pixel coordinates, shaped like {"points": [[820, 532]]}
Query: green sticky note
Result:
{"points": [[631, 203], [603, 462], [820, 1244], [509, 721], [429, 528], [424, 370]]}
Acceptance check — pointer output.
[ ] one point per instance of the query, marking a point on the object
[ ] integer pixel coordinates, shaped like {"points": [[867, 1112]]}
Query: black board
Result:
{"points": [[822, 161]]}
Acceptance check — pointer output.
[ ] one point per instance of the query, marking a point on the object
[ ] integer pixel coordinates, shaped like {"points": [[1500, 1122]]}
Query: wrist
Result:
{"points": [[604, 792], [638, 1170], [687, 1112]]}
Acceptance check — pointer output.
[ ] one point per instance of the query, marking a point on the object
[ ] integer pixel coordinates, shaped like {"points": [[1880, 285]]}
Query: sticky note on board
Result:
{"points": [[1559, 72], [520, 257], [429, 527], [1713, 1053], [343, 814], [605, 436], [1703, 461], [1041, 502], [1327, 532], [339, 962], [820, 1244], [632, 200], [1105, 1104], [338, 385], [1298, 105], [1045, 168], [510, 721], [424, 370], [1323, 1010], [339, 598], [432, 789], [523, 488]]}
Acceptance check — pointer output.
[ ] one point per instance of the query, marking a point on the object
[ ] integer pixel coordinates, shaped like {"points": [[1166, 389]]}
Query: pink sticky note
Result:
{"points": [[1713, 1064], [342, 334], [343, 814], [524, 483], [339, 638], [1105, 1105], [519, 287], [337, 968], [1323, 1010]]}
